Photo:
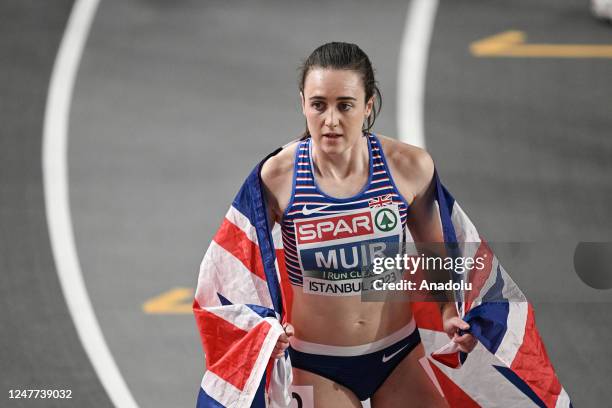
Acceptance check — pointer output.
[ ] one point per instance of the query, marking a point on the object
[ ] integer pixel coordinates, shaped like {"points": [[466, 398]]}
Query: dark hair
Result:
{"points": [[341, 55]]}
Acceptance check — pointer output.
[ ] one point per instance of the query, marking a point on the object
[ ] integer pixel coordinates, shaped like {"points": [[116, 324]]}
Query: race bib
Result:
{"points": [[336, 251]]}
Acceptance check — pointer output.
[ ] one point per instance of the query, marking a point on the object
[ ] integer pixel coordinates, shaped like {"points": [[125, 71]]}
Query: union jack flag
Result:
{"points": [[509, 367], [238, 308], [243, 295], [380, 201]]}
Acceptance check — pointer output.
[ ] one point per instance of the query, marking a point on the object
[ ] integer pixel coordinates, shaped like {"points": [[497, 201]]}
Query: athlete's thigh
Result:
{"points": [[327, 393], [408, 382]]}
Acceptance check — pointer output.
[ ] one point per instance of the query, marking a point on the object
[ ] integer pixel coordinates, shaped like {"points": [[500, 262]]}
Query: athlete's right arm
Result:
{"points": [[270, 193], [277, 177]]}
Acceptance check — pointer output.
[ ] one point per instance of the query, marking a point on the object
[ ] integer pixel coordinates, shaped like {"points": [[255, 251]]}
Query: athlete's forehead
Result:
{"points": [[334, 84]]}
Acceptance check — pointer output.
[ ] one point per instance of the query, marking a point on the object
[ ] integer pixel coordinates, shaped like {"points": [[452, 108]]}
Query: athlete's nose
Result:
{"points": [[331, 119]]}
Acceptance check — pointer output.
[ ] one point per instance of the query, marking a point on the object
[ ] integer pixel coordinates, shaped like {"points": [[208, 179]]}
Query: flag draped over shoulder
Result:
{"points": [[239, 305], [238, 309]]}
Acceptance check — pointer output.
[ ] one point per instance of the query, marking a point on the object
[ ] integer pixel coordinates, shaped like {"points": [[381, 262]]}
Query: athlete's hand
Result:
{"points": [[466, 342], [452, 324], [283, 341]]}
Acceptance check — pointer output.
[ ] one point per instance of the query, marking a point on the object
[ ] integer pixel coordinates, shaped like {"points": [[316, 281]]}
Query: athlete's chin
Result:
{"points": [[332, 144]]}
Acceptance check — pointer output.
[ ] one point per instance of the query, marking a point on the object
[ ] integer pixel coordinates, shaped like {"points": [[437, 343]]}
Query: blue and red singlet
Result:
{"points": [[329, 242]]}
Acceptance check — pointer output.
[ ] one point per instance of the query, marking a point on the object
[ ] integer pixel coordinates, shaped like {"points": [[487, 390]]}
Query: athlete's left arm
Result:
{"points": [[416, 168]]}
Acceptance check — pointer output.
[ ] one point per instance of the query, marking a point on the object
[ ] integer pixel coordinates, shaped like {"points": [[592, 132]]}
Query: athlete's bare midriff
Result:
{"points": [[346, 320]]}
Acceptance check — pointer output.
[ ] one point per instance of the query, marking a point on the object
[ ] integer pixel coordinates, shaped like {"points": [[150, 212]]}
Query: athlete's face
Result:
{"points": [[335, 107]]}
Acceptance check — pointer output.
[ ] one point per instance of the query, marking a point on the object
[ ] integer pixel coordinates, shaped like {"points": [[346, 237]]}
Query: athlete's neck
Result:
{"points": [[352, 161]]}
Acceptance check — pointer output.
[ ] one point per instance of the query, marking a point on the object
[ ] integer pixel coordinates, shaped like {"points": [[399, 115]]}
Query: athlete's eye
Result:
{"points": [[345, 106], [319, 106]]}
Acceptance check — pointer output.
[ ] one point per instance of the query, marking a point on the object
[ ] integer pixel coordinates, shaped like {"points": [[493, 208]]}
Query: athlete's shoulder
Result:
{"points": [[408, 162], [280, 166], [277, 177]]}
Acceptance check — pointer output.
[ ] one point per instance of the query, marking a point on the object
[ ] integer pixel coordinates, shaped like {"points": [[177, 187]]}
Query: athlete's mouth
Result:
{"points": [[332, 135]]}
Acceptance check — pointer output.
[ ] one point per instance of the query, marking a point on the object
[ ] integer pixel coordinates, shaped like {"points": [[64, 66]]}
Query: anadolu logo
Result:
{"points": [[385, 219]]}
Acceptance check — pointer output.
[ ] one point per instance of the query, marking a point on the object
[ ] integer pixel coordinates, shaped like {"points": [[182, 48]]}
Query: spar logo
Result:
{"points": [[385, 219], [330, 228]]}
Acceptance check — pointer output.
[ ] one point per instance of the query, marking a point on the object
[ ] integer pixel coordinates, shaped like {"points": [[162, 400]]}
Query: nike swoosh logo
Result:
{"points": [[387, 358], [308, 211]]}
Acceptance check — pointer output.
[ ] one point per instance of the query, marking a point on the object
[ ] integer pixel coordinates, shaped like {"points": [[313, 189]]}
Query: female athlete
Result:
{"points": [[324, 191]]}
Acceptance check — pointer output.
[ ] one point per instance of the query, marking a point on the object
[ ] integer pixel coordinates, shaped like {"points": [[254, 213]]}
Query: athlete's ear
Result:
{"points": [[369, 106], [303, 103]]}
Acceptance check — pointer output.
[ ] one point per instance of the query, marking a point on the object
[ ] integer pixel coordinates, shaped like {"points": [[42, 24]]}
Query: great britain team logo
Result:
{"points": [[336, 250], [380, 201]]}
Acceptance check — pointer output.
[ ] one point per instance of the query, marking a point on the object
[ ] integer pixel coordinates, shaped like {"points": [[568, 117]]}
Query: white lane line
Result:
{"points": [[413, 69], [55, 180]]}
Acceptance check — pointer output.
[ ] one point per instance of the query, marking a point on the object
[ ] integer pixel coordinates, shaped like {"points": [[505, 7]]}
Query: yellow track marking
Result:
{"points": [[513, 44], [174, 301]]}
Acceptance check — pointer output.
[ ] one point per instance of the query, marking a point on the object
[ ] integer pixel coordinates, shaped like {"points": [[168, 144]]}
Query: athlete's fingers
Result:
{"points": [[279, 346], [461, 324], [288, 329], [279, 349], [463, 339], [466, 342], [283, 338], [453, 325]]}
